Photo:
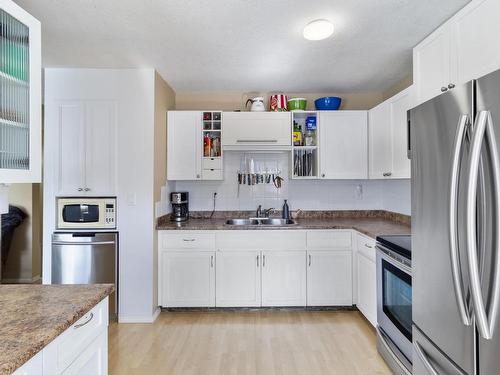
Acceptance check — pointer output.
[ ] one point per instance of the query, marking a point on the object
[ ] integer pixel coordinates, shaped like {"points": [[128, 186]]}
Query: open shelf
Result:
{"points": [[304, 159]]}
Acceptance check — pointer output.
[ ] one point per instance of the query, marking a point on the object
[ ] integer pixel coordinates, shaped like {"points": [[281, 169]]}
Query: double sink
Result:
{"points": [[261, 222]]}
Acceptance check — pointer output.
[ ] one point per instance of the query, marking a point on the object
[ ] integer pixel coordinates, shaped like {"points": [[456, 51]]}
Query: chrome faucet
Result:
{"points": [[269, 211]]}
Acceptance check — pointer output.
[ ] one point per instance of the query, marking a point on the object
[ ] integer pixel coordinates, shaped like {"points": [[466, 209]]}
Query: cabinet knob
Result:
{"points": [[87, 189], [323, 175], [444, 89], [451, 86], [80, 189], [387, 174], [197, 176]]}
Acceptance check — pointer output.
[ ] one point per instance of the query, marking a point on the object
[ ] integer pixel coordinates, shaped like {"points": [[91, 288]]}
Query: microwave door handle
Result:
{"points": [[453, 205], [484, 127]]}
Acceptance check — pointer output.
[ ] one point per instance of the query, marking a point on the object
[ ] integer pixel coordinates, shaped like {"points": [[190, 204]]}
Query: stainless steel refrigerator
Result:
{"points": [[454, 140]]}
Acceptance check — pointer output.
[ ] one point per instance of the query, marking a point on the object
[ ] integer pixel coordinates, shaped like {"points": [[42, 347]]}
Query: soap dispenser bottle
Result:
{"points": [[286, 211]]}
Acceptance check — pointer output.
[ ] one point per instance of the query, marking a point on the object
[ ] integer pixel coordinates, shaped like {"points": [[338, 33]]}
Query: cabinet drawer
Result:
{"points": [[366, 247], [186, 240], [212, 163], [261, 240], [211, 174], [329, 239], [58, 355]]}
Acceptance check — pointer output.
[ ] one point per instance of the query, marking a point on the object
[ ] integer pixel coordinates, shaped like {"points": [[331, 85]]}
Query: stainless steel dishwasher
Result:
{"points": [[86, 258]]}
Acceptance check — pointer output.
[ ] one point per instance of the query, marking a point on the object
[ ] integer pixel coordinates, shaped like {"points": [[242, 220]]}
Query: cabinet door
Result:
{"points": [[188, 278], [247, 129], [379, 134], [184, 145], [237, 278], [401, 165], [93, 360], [100, 148], [283, 278], [20, 91], [33, 367], [431, 64], [329, 278], [476, 40], [367, 287], [343, 144], [70, 117]]}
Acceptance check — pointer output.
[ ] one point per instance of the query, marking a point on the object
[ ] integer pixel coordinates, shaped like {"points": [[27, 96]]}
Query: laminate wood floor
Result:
{"points": [[247, 342]]}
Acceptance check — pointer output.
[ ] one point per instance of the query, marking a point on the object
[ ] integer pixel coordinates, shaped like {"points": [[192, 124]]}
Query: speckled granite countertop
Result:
{"points": [[31, 316], [372, 223]]}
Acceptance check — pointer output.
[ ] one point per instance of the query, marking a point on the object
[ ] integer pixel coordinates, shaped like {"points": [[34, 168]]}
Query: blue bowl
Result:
{"points": [[328, 103]]}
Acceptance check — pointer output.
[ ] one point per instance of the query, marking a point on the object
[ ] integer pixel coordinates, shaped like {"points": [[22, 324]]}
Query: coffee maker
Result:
{"points": [[180, 206]]}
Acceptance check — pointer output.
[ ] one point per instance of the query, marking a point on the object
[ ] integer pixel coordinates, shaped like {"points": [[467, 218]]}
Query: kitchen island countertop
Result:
{"points": [[32, 316]]}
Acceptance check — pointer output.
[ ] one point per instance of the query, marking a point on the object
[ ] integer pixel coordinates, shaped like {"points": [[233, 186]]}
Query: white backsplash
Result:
{"points": [[393, 195]]}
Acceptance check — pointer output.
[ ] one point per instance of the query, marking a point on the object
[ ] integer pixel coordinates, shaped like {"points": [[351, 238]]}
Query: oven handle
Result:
{"points": [[388, 349], [423, 356], [83, 243], [455, 262], [393, 261]]}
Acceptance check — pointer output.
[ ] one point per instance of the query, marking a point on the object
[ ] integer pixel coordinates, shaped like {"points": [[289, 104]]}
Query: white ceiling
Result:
{"points": [[242, 45]]}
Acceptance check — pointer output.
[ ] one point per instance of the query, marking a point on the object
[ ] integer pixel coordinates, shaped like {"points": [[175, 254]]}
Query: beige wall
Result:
{"points": [[228, 101], [24, 260], [164, 100], [400, 86]]}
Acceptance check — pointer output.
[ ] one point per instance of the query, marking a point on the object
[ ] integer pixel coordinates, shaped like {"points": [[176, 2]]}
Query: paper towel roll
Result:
{"points": [[4, 198]]}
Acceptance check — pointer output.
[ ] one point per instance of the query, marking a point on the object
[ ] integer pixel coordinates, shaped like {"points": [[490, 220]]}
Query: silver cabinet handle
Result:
{"points": [[80, 189], [368, 246], [453, 204], [310, 260], [257, 261], [212, 261], [387, 174], [451, 86], [263, 260], [444, 89], [256, 140], [76, 326], [189, 239], [427, 363], [484, 126]]}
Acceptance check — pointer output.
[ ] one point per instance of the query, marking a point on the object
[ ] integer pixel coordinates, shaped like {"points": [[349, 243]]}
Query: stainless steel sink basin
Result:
{"points": [[260, 221], [242, 222]]}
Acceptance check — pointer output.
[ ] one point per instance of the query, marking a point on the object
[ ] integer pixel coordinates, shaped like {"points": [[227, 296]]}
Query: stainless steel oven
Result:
{"points": [[394, 302]]}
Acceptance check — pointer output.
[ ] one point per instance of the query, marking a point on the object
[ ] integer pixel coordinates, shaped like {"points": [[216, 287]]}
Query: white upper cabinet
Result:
{"points": [[388, 137], [256, 130], [20, 90], [184, 145], [476, 31], [463, 48], [432, 64], [343, 145], [86, 146]]}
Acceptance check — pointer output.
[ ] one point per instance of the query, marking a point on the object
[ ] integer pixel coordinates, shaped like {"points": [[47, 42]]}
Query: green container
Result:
{"points": [[297, 104]]}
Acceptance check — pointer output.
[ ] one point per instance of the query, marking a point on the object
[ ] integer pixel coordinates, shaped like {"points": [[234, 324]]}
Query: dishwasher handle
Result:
{"points": [[83, 243]]}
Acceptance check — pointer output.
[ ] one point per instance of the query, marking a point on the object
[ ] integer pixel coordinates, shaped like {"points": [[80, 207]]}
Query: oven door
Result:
{"points": [[394, 295], [81, 214]]}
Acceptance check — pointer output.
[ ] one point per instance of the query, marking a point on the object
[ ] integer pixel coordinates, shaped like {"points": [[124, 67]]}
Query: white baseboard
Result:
{"points": [[139, 319]]}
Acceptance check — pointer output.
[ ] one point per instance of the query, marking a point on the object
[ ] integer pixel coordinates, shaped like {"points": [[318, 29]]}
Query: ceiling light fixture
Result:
{"points": [[318, 30]]}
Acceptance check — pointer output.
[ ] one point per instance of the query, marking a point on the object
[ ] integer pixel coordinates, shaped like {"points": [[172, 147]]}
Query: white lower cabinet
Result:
{"points": [[367, 279], [329, 278], [188, 278], [80, 350], [244, 268], [238, 279], [283, 278]]}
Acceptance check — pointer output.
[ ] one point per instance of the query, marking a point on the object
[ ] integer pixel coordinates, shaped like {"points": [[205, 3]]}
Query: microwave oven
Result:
{"points": [[86, 213]]}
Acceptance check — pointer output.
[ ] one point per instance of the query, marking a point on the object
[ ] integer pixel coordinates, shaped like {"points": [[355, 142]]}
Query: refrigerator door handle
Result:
{"points": [[484, 126], [454, 253], [423, 357]]}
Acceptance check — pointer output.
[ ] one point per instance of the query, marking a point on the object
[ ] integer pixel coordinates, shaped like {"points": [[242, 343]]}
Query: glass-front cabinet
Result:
{"points": [[20, 95]]}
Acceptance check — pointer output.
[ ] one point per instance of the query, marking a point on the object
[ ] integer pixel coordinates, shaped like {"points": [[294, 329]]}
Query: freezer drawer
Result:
{"points": [[429, 360], [86, 258]]}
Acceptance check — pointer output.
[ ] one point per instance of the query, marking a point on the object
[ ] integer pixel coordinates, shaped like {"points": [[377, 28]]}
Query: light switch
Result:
{"points": [[131, 199]]}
